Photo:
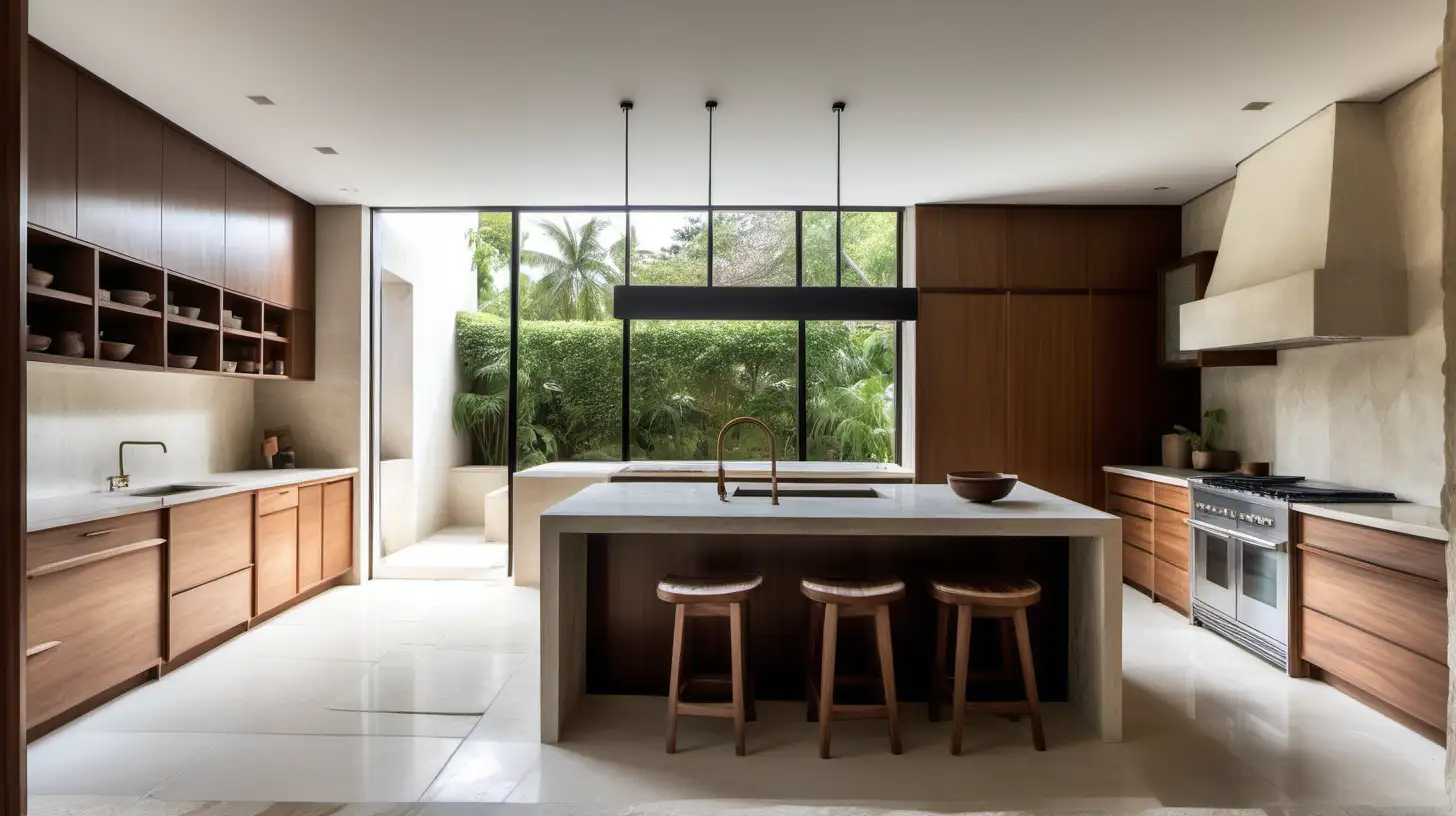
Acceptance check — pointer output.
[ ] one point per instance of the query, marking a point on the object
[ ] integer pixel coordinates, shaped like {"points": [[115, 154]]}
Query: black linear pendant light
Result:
{"points": [[768, 302]]}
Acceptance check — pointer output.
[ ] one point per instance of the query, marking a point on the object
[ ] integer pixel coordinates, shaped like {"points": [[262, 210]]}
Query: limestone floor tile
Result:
{"points": [[484, 771], [247, 767], [515, 714], [78, 762], [437, 681], [80, 805], [339, 641]]}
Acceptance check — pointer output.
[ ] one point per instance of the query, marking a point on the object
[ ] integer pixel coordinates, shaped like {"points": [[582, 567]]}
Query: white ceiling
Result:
{"points": [[514, 102]]}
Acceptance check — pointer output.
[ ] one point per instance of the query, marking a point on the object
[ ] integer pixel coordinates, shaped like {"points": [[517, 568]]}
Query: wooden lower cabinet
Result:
{"points": [[1137, 567], [1170, 536], [338, 527], [276, 572], [91, 627], [1170, 585], [1155, 535], [310, 536], [210, 539], [204, 612], [1394, 675]]}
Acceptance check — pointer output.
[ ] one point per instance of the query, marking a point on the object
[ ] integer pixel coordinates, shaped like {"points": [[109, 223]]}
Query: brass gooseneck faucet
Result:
{"points": [[773, 458], [121, 481]]}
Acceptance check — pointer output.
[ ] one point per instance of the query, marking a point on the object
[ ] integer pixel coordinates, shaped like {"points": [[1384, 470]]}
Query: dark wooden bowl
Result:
{"points": [[981, 485]]}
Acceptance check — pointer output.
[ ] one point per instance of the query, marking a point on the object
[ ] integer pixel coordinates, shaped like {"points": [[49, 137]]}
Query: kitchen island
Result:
{"points": [[604, 548]]}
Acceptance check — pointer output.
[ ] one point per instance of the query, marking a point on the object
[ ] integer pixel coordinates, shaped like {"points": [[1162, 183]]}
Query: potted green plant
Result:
{"points": [[1206, 454]]}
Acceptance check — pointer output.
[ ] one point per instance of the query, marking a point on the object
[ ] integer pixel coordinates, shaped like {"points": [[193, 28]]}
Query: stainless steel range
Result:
{"points": [[1239, 544]]}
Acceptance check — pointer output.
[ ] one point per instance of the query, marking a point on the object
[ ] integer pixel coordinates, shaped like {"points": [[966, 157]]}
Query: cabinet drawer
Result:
{"points": [[77, 540], [1391, 673], [1171, 496], [211, 539], [1402, 553], [276, 498], [209, 610], [1128, 507], [1405, 613], [276, 573], [1137, 531], [1137, 567], [1170, 585], [1170, 536], [1128, 486], [105, 621], [310, 536]]}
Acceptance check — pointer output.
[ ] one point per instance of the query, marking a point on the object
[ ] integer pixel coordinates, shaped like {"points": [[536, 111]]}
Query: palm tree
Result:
{"points": [[851, 403], [577, 281]]}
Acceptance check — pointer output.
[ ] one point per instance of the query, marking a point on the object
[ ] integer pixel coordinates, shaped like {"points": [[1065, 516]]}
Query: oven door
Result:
{"points": [[1215, 566], [1263, 587]]}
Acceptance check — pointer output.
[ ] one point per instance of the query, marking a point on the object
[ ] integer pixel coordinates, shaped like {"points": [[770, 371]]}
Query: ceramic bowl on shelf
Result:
{"points": [[71, 344], [230, 366], [103, 295], [981, 485], [37, 342], [132, 297], [173, 308], [35, 277], [190, 312], [115, 351], [247, 367], [181, 361]]}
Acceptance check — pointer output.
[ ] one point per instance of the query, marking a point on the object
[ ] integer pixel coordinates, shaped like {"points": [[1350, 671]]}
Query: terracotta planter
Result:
{"points": [[1177, 451], [1220, 461]]}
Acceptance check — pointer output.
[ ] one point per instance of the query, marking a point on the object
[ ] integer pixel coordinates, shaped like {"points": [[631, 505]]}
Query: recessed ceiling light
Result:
{"points": [[1257, 106], [261, 100], [1159, 189], [327, 151]]}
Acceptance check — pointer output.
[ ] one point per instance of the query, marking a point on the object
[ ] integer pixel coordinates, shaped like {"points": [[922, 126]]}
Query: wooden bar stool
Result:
{"points": [[850, 599], [709, 598], [1002, 599]]}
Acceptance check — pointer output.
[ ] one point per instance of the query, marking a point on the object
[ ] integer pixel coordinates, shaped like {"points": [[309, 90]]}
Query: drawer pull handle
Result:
{"points": [[43, 647], [284, 492], [95, 533]]}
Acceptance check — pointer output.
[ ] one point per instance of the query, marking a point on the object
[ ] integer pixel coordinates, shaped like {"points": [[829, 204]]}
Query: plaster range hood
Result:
{"points": [[1311, 251]]}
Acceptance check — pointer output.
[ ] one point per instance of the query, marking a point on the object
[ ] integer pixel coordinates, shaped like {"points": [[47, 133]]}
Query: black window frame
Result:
{"points": [[801, 385]]}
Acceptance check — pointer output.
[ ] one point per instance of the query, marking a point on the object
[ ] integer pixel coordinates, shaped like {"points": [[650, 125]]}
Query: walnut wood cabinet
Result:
{"points": [[1036, 343], [51, 154], [1154, 536], [113, 601], [118, 173], [1372, 619], [194, 207]]}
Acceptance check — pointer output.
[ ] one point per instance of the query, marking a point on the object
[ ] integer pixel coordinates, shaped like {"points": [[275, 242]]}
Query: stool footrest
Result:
{"points": [[1000, 707], [724, 710]]}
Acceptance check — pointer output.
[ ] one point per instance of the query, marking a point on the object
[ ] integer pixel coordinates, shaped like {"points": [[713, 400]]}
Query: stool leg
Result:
{"points": [[887, 674], [1028, 676], [678, 623], [735, 626], [826, 676], [962, 668], [1008, 659], [937, 669], [811, 658], [749, 679]]}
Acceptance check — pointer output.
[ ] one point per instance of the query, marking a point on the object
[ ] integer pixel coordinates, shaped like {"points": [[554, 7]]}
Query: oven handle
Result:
{"points": [[1244, 537]]}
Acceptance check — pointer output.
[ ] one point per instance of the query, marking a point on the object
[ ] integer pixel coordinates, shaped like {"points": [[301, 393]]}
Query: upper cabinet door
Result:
{"points": [[960, 381], [280, 246], [52, 150], [248, 217], [960, 247], [194, 207], [1048, 373], [1126, 246], [1048, 249], [303, 254], [118, 172]]}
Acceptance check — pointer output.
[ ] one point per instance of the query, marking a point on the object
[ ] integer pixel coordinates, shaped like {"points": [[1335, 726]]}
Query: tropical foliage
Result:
{"points": [[688, 377]]}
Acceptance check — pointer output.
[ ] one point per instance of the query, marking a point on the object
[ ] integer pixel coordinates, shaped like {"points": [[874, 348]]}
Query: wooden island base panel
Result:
{"points": [[115, 602], [1154, 537]]}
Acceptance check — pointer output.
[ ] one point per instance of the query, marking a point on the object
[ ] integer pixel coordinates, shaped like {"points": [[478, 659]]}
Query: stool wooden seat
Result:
{"points": [[695, 597], [1006, 599], [833, 600]]}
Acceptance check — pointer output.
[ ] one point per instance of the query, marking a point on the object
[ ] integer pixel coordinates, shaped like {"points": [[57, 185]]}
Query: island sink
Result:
{"points": [[808, 493], [171, 490]]}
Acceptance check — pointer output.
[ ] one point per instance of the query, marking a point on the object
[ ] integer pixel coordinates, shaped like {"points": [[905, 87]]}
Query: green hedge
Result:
{"points": [[688, 379]]}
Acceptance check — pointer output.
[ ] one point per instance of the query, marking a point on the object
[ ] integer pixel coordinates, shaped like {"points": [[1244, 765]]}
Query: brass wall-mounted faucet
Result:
{"points": [[773, 457], [123, 481]]}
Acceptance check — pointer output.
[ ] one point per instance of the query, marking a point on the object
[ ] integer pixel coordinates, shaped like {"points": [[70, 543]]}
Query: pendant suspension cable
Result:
{"points": [[626, 439], [838, 109], [711, 105]]}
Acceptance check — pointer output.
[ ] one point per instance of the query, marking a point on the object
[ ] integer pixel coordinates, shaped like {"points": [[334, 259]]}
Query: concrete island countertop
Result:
{"points": [[1094, 552], [1420, 520], [59, 511]]}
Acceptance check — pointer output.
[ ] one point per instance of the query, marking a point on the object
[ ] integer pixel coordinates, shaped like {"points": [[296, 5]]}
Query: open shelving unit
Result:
{"points": [[82, 298]]}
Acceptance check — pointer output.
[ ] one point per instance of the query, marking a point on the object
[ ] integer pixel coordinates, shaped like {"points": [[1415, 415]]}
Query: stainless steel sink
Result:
{"points": [[162, 491], [808, 493]]}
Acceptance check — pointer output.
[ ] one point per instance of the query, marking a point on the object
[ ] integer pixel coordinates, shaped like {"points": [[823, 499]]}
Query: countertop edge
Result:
{"points": [[1147, 472], [292, 477], [1336, 512]]}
